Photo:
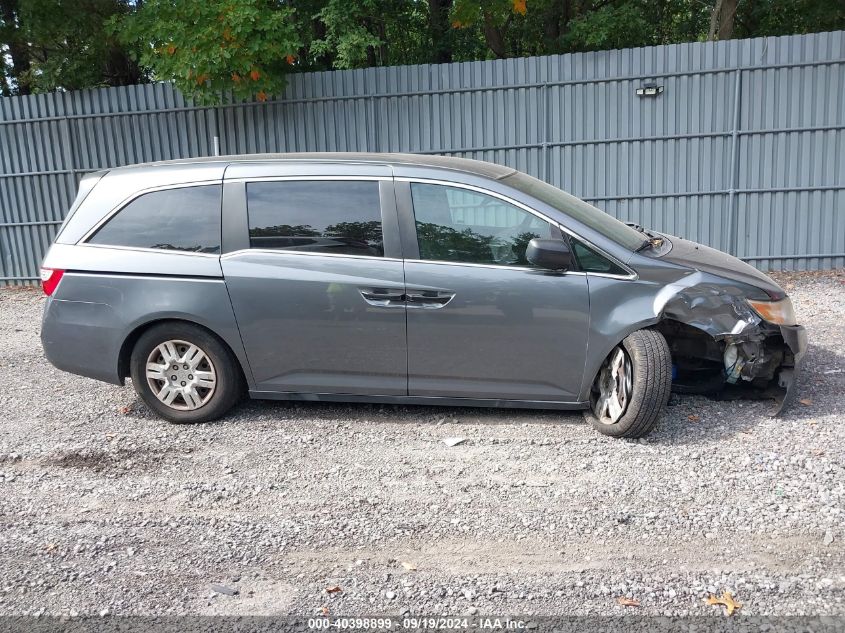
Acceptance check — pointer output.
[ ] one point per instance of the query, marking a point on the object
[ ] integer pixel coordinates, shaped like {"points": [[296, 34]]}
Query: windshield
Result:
{"points": [[596, 219]]}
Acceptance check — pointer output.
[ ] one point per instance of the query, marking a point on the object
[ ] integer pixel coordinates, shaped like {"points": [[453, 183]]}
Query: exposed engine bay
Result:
{"points": [[721, 346]]}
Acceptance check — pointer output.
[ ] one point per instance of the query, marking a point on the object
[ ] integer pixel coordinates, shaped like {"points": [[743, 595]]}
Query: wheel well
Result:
{"points": [[696, 357], [129, 344], [695, 354]]}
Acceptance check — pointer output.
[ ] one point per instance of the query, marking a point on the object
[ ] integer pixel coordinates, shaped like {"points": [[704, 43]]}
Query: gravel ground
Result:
{"points": [[106, 509]]}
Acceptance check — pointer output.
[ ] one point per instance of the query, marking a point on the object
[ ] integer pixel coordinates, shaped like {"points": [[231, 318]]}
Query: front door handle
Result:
{"points": [[429, 298], [384, 297]]}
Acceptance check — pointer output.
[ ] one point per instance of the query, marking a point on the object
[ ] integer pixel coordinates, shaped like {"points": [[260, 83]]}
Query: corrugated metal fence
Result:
{"points": [[743, 150]]}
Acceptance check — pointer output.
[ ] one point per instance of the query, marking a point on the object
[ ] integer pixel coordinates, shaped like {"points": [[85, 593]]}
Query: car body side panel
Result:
{"points": [[617, 308], [308, 327], [86, 186], [90, 315], [315, 322], [500, 332], [506, 333], [137, 261], [553, 405]]}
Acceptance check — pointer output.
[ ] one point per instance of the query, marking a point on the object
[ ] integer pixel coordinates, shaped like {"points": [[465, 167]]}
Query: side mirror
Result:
{"points": [[549, 254]]}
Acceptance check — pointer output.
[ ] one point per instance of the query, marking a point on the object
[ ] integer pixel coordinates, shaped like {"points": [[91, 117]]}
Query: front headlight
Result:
{"points": [[780, 312]]}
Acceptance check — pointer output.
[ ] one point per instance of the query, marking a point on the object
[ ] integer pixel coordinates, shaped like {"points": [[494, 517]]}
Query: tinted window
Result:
{"points": [[590, 261], [184, 219], [337, 216], [458, 225], [576, 208]]}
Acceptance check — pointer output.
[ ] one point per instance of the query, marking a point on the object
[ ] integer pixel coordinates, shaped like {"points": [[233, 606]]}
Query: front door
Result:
{"points": [[318, 291], [482, 321]]}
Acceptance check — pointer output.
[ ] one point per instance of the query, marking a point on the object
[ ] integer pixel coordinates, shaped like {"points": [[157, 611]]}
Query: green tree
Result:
{"points": [[603, 25], [755, 18], [14, 47], [364, 33], [70, 46], [215, 48], [244, 49], [440, 34], [493, 17], [5, 86], [58, 45]]}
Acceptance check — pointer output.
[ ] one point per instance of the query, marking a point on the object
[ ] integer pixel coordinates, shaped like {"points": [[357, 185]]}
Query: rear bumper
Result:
{"points": [[80, 337]]}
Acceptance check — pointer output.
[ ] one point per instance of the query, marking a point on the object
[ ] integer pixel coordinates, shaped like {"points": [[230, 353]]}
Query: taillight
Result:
{"points": [[50, 278]]}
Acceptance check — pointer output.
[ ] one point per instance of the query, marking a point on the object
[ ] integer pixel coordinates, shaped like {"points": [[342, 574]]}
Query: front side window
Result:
{"points": [[181, 219], [330, 216], [458, 225], [590, 261]]}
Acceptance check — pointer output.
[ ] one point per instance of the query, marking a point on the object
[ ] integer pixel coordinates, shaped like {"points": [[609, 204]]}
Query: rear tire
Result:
{"points": [[184, 373], [645, 355]]}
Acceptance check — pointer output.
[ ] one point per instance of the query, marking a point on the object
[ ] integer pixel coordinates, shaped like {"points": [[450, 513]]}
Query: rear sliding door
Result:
{"points": [[316, 280]]}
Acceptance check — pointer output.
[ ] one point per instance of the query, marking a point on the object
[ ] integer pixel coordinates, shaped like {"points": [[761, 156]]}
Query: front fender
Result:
{"points": [[617, 308], [714, 306]]}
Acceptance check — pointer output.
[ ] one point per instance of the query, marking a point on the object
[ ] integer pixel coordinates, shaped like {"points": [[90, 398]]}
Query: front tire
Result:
{"points": [[632, 386], [184, 373]]}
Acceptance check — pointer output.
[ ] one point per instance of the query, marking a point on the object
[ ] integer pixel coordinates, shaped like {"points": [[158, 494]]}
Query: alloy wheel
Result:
{"points": [[181, 375], [614, 385]]}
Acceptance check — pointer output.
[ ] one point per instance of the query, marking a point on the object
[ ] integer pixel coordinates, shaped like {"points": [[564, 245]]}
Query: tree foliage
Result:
{"points": [[244, 49], [637, 23], [55, 44], [494, 18], [74, 47], [215, 47], [362, 33]]}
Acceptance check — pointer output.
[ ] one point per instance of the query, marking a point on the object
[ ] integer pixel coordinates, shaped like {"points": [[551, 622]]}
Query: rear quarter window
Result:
{"points": [[179, 219]]}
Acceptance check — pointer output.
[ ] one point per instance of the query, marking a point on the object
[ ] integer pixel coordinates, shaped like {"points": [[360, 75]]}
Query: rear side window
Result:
{"points": [[329, 216], [182, 219]]}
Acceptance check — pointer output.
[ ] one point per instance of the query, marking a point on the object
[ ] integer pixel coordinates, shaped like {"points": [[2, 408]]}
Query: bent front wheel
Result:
{"points": [[632, 386]]}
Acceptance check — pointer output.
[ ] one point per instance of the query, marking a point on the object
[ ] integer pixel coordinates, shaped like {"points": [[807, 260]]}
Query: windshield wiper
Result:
{"points": [[647, 243], [651, 242]]}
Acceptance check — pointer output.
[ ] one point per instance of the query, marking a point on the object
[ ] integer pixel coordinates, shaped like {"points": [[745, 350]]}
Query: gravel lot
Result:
{"points": [[105, 509]]}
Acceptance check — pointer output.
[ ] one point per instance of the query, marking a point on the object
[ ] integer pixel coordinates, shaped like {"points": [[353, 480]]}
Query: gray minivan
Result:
{"points": [[399, 279]]}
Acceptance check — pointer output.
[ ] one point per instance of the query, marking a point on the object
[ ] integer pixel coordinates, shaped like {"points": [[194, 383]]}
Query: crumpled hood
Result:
{"points": [[710, 260]]}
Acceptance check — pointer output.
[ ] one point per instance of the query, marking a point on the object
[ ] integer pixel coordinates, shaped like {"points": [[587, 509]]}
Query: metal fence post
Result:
{"points": [[546, 166], [733, 213], [216, 114], [373, 124]]}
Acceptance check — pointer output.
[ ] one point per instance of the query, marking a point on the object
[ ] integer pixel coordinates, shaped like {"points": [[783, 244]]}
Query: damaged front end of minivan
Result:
{"points": [[720, 341]]}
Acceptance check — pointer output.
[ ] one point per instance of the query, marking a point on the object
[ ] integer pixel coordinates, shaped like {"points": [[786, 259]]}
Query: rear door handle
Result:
{"points": [[429, 298], [384, 297]]}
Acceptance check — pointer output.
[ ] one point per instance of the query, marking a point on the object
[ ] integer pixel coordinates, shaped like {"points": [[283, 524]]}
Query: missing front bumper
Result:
{"points": [[771, 363], [795, 338]]}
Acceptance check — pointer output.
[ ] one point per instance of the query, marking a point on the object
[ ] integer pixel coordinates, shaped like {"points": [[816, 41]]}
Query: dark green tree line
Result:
{"points": [[246, 48]]}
